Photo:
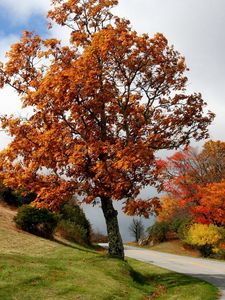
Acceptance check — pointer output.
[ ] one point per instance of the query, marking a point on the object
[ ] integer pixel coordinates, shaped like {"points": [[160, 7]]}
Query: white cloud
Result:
{"points": [[5, 140], [196, 28], [21, 10], [5, 43], [24, 11], [9, 102], [62, 33]]}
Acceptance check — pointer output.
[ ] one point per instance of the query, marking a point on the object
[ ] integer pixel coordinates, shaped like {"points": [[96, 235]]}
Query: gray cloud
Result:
{"points": [[196, 29]]}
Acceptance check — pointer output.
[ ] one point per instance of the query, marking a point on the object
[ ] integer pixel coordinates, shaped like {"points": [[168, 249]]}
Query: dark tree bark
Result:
{"points": [[115, 241]]}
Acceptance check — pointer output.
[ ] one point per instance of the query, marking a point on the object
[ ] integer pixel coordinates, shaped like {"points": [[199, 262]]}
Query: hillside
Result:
{"points": [[175, 247], [32, 268]]}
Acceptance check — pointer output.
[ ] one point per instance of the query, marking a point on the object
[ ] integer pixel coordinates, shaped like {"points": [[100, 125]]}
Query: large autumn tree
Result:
{"points": [[102, 107]]}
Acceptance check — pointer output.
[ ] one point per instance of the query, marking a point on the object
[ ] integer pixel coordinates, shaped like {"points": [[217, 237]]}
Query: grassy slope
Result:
{"points": [[175, 247], [37, 269]]}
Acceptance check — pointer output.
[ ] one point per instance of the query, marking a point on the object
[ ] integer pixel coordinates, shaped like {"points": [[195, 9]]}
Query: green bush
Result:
{"points": [[73, 224], [158, 231], [175, 224], [38, 221], [184, 227], [219, 254], [16, 199], [73, 232]]}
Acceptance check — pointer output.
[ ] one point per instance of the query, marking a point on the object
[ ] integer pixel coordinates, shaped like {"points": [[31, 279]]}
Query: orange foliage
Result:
{"points": [[142, 207], [211, 205], [170, 208], [102, 107]]}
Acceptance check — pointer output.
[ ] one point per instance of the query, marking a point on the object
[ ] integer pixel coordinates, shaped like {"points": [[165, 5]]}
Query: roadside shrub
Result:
{"points": [[38, 221], [73, 224], [206, 238], [183, 228], [158, 231], [219, 253], [98, 237], [73, 232], [16, 199], [175, 224]]}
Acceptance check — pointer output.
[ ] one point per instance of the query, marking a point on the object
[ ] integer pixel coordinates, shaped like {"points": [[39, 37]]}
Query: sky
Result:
{"points": [[195, 28]]}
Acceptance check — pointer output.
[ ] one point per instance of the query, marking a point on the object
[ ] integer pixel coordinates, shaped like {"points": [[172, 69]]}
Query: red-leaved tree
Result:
{"points": [[195, 184]]}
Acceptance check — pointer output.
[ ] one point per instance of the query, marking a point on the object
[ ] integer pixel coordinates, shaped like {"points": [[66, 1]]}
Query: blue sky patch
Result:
{"points": [[8, 26]]}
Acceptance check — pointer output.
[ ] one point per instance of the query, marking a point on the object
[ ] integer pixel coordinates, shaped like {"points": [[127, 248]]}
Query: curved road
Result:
{"points": [[209, 270]]}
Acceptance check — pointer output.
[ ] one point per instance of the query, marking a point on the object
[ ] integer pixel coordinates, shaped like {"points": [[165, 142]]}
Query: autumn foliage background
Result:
{"points": [[194, 183]]}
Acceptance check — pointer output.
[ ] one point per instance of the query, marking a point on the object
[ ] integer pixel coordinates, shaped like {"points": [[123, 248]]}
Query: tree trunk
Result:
{"points": [[115, 241]]}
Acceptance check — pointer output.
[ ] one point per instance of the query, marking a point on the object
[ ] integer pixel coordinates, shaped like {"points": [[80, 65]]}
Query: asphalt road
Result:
{"points": [[209, 270]]}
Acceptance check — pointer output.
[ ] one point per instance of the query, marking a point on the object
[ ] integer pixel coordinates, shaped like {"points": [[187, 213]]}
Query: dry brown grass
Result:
{"points": [[173, 247], [11, 237], [176, 247], [6, 216]]}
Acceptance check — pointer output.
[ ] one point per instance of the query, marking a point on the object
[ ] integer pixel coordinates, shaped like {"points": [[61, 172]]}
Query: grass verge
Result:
{"points": [[32, 268]]}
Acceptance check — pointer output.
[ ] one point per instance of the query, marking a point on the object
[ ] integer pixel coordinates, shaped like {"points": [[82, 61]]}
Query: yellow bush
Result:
{"points": [[206, 237]]}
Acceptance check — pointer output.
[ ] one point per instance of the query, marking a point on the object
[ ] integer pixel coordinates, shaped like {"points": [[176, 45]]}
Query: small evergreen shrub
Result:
{"points": [[16, 199], [38, 221], [158, 231], [73, 224], [73, 232], [175, 224], [184, 227], [219, 253]]}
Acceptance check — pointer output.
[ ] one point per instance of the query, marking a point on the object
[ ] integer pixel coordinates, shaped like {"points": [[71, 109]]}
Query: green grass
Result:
{"points": [[174, 286], [32, 268]]}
